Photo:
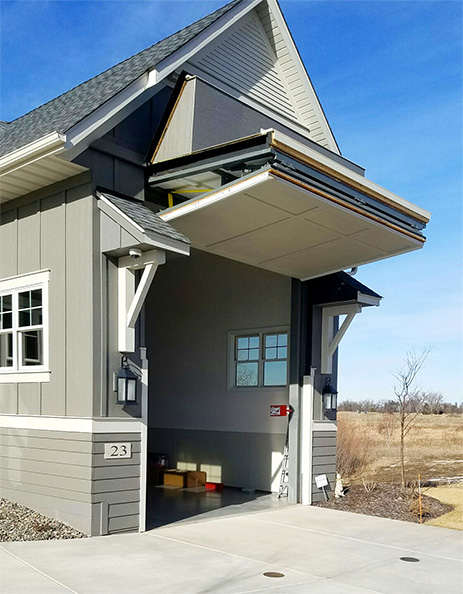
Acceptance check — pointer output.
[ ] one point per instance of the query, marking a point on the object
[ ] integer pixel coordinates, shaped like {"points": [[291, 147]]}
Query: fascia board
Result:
{"points": [[366, 300], [279, 18], [172, 62], [103, 119], [346, 175], [100, 121], [43, 147], [161, 242]]}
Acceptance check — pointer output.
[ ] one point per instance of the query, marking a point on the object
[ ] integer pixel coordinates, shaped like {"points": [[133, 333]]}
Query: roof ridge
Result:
{"points": [[223, 10]]}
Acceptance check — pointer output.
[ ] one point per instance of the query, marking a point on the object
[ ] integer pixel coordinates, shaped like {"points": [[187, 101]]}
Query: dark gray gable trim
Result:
{"points": [[339, 287]]}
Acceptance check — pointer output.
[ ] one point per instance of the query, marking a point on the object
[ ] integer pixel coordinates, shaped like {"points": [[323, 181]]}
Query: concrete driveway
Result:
{"points": [[319, 551]]}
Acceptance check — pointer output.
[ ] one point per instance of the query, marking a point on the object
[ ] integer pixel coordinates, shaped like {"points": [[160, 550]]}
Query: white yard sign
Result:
{"points": [[321, 481]]}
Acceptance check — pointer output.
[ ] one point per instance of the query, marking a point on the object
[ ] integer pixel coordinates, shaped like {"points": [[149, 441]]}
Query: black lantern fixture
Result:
{"points": [[126, 384], [330, 396]]}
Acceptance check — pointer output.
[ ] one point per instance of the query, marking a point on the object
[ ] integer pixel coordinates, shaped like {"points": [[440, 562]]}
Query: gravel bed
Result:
{"points": [[387, 501], [19, 523]]}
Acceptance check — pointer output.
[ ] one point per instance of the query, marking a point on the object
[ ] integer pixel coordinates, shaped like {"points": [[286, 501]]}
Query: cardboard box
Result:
{"points": [[184, 478], [196, 478], [175, 478]]}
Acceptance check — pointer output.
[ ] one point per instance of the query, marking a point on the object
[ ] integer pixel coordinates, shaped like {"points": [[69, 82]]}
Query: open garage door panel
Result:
{"points": [[257, 204]]}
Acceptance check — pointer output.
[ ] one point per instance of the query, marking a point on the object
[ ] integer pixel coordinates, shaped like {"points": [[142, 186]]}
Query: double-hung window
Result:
{"points": [[260, 359], [24, 327]]}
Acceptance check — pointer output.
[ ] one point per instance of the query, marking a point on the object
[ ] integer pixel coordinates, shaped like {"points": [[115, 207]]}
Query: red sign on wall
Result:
{"points": [[279, 410]]}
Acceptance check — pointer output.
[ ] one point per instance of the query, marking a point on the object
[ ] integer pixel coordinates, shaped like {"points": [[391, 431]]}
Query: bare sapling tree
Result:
{"points": [[410, 399]]}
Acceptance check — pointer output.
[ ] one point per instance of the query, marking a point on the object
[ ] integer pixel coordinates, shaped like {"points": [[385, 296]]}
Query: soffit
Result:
{"points": [[278, 225], [34, 175]]}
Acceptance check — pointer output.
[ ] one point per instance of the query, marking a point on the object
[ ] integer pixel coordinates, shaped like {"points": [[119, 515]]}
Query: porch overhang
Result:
{"points": [[284, 212]]}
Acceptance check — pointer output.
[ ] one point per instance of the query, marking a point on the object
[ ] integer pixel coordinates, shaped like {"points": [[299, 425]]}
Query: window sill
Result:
{"points": [[24, 377]]}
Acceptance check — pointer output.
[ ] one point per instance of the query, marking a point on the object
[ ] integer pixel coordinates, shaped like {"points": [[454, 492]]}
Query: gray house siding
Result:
{"points": [[206, 116], [49, 471], [64, 474], [117, 159], [324, 461], [193, 305], [53, 229], [115, 485]]}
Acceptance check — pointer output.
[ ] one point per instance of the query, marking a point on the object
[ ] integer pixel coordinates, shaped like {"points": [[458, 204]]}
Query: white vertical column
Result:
{"points": [[144, 438], [294, 444], [126, 291], [306, 425]]}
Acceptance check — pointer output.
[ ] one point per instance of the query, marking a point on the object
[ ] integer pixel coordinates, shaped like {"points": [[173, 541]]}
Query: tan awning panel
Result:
{"points": [[281, 225]]}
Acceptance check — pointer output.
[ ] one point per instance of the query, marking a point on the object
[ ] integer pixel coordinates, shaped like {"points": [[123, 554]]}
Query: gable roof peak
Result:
{"points": [[65, 111]]}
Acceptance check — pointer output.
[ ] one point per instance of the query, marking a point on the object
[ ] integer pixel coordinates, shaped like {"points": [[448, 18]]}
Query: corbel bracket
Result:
{"points": [[331, 337], [130, 301]]}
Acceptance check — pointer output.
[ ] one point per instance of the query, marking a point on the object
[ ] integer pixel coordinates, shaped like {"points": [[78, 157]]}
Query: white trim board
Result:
{"points": [[71, 424], [44, 146], [24, 377], [318, 426]]}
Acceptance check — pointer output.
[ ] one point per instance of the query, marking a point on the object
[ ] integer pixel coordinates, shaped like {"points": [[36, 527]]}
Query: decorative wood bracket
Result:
{"points": [[130, 301], [332, 338]]}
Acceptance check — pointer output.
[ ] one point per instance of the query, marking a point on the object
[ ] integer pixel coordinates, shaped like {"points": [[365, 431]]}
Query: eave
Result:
{"points": [[35, 166]]}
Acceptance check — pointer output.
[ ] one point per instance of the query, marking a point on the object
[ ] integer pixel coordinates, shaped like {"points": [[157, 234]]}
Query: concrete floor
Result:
{"points": [[319, 551], [168, 505]]}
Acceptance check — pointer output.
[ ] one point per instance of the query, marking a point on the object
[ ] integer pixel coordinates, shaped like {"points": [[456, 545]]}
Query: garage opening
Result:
{"points": [[212, 446]]}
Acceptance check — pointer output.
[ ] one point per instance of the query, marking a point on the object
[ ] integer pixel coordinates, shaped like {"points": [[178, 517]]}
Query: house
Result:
{"points": [[175, 236]]}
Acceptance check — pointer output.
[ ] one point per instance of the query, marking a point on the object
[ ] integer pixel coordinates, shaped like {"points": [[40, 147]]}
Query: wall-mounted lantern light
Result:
{"points": [[330, 396], [126, 384]]}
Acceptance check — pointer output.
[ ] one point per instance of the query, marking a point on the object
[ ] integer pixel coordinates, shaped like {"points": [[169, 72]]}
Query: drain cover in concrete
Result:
{"points": [[409, 559], [274, 574]]}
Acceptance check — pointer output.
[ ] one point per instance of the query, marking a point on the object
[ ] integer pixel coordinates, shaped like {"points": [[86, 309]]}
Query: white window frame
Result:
{"points": [[13, 286], [261, 332]]}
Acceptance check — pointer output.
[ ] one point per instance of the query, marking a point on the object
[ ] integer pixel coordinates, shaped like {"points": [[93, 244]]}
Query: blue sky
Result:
{"points": [[389, 77]]}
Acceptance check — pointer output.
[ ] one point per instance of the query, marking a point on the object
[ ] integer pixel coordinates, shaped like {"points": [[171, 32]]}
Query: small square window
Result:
{"points": [[260, 359]]}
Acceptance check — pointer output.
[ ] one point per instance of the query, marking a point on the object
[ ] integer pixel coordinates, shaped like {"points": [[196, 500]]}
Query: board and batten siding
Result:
{"points": [[64, 475], [323, 461], [52, 229]]}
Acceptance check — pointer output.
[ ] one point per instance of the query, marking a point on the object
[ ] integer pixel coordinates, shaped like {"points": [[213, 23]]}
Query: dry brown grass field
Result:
{"points": [[433, 447], [368, 459]]}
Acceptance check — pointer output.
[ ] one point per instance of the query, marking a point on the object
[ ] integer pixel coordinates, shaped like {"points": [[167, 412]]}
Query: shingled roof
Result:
{"points": [[144, 217], [64, 112]]}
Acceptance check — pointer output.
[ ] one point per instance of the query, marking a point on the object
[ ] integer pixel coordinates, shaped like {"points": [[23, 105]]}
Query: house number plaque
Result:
{"points": [[113, 451]]}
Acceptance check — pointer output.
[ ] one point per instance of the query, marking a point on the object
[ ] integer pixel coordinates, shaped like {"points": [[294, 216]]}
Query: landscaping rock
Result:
{"points": [[19, 523]]}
